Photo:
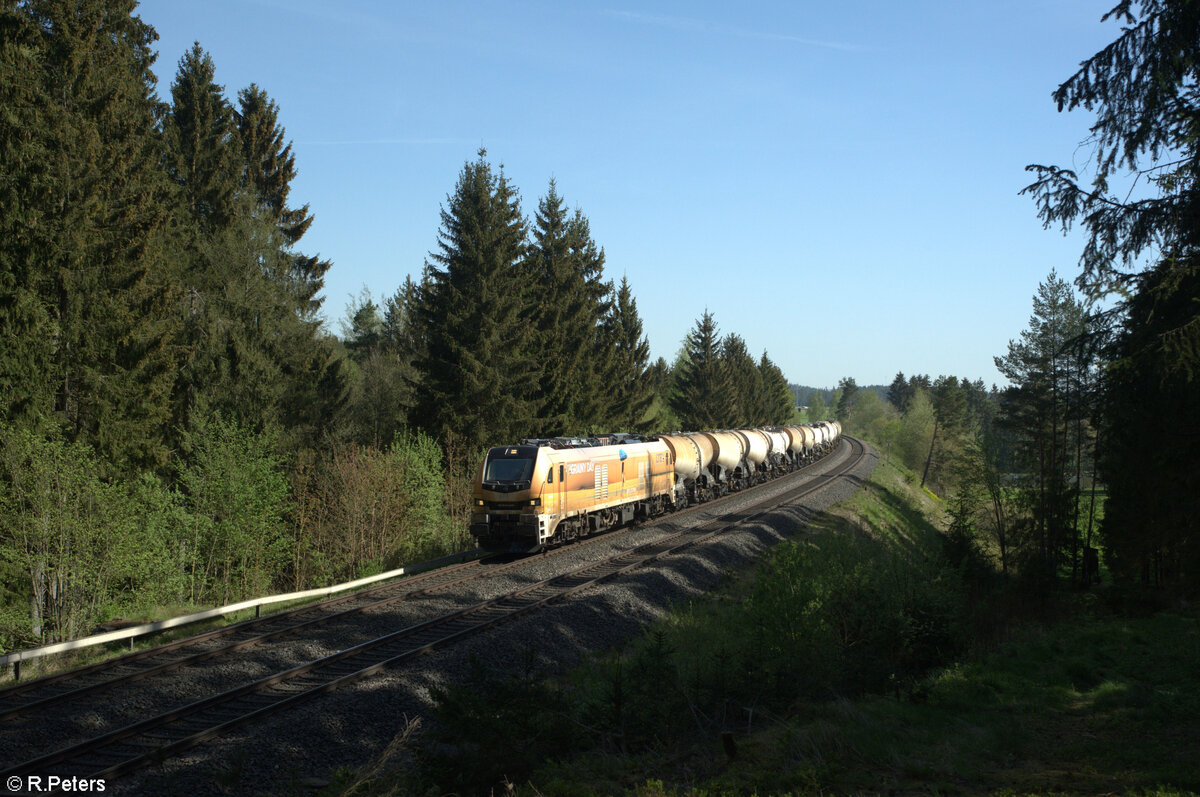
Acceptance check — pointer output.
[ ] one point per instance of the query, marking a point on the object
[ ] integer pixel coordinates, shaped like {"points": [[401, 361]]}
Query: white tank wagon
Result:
{"points": [[691, 454], [827, 434], [810, 441], [780, 454], [729, 452], [758, 448], [818, 431], [800, 442]]}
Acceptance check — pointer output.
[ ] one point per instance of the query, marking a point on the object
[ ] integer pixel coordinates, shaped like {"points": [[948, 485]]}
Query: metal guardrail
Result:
{"points": [[15, 658]]}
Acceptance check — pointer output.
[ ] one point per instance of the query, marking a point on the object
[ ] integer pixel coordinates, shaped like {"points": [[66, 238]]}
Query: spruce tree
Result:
{"points": [[204, 154], [1142, 87], [252, 343], [84, 259], [270, 167], [900, 392], [627, 390], [270, 164], [477, 380], [1150, 423], [567, 267], [746, 379], [703, 396], [27, 146], [847, 394], [1037, 408], [378, 390], [778, 401]]}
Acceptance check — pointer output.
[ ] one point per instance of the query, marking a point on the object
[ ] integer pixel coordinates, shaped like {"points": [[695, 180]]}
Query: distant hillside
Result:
{"points": [[801, 392]]}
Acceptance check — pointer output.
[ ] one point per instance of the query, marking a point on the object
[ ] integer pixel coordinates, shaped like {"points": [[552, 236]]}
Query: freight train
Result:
{"points": [[542, 493]]}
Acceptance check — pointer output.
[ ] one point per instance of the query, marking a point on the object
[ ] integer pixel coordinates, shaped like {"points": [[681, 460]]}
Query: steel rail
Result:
{"points": [[111, 678]]}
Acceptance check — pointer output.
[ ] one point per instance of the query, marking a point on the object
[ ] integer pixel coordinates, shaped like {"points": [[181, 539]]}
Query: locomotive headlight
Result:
{"points": [[535, 502], [480, 502]]}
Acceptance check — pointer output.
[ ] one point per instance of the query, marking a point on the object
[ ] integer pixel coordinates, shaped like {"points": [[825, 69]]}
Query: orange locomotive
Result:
{"points": [[529, 496]]}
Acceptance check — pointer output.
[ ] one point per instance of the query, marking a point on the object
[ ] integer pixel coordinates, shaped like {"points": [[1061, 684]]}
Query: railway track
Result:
{"points": [[109, 754]]}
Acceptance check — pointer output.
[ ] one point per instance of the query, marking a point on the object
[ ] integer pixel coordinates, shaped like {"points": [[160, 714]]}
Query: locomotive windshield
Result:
{"points": [[514, 464]]}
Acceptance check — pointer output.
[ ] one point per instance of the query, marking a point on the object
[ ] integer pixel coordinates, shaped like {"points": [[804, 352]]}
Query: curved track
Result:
{"points": [[153, 739]]}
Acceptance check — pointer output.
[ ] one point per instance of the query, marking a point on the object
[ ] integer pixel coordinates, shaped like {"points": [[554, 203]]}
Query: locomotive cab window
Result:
{"points": [[510, 464]]}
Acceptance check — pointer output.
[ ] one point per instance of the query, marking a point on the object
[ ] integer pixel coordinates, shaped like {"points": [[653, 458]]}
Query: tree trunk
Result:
{"points": [[929, 458]]}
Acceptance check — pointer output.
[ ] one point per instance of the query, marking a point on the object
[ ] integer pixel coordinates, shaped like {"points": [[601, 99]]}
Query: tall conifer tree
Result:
{"points": [[627, 392], [746, 380], [1142, 87], [204, 155], [703, 396], [85, 236], [270, 167], [567, 269], [28, 130], [1038, 408], [778, 401], [476, 377]]}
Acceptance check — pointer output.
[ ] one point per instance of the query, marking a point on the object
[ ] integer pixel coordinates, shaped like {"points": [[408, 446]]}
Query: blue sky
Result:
{"points": [[784, 165]]}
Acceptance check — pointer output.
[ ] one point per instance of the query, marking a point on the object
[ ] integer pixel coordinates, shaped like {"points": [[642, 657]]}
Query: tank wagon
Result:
{"points": [[547, 492]]}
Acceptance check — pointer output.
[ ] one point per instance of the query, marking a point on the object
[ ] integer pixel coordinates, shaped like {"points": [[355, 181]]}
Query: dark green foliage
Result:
{"points": [[363, 328], [778, 404], [1142, 87], [1042, 410], [703, 390], [899, 392], [628, 388], [1151, 425], [27, 186], [625, 706], [848, 390], [250, 345], [847, 618], [477, 377], [269, 168], [495, 728], [204, 153], [270, 165], [746, 382], [565, 269], [83, 261], [379, 372]]}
